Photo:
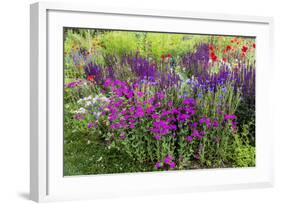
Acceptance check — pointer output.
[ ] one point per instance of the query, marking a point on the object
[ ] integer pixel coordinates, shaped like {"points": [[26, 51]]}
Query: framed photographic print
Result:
{"points": [[127, 102]]}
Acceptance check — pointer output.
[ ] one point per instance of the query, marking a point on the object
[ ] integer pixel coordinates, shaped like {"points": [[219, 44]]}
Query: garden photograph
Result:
{"points": [[143, 101]]}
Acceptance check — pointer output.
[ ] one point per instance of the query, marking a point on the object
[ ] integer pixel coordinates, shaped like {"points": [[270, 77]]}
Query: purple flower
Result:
{"points": [[115, 126], [139, 112], [123, 112], [140, 94], [127, 117], [95, 70], [132, 109], [189, 138], [160, 95], [73, 84], [158, 165], [208, 122], [223, 89], [194, 124], [195, 133], [117, 104], [234, 125], [173, 127], [202, 120], [157, 105], [112, 117], [189, 101], [205, 120], [90, 125], [230, 117], [150, 109], [175, 111], [183, 117], [130, 95], [215, 124], [170, 103], [155, 116], [168, 159], [172, 165], [165, 112], [107, 82]]}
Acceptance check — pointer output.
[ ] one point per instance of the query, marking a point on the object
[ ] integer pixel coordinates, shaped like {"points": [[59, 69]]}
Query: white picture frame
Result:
{"points": [[47, 182]]}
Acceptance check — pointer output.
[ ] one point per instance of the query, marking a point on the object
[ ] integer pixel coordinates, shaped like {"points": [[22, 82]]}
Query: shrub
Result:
{"points": [[244, 154]]}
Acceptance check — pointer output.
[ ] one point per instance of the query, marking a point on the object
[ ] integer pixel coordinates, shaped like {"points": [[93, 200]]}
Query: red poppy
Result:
{"points": [[254, 45], [169, 55], [90, 78], [211, 47], [224, 59], [213, 57], [228, 48], [244, 49], [163, 56]]}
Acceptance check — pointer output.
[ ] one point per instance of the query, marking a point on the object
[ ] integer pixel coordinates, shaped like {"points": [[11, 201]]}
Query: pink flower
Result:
{"points": [[230, 117], [189, 138], [155, 116], [172, 165], [140, 94], [170, 103], [215, 124], [168, 159], [158, 165]]}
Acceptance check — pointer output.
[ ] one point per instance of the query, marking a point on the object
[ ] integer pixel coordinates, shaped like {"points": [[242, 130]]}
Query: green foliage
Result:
{"points": [[119, 43], [177, 44], [244, 154], [246, 113], [74, 40], [89, 155]]}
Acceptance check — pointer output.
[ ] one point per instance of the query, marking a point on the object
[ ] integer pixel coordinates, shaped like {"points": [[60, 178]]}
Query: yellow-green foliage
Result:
{"points": [[244, 154], [119, 42], [74, 40], [176, 44]]}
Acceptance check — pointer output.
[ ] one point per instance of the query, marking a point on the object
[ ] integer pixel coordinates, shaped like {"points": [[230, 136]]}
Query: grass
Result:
{"points": [[85, 156]]}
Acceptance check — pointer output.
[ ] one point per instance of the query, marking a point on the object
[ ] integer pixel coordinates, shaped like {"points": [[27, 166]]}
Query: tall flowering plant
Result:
{"points": [[150, 127]]}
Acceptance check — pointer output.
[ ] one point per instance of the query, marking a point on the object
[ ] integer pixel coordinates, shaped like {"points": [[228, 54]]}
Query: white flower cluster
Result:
{"points": [[93, 105], [81, 110], [87, 101]]}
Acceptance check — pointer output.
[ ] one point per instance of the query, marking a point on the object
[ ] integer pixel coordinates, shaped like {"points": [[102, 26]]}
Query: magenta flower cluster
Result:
{"points": [[129, 105], [168, 163], [125, 108]]}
